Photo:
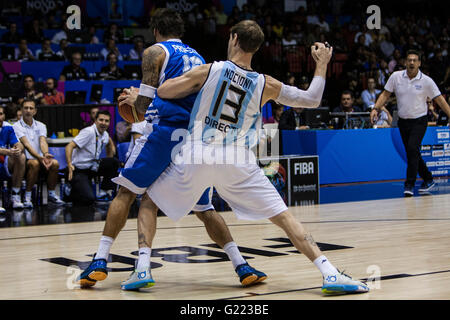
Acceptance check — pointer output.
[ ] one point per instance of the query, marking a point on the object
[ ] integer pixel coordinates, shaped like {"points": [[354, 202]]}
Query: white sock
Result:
{"points": [[16, 190], [104, 248], [52, 193], [325, 266], [28, 195], [233, 253], [144, 258]]}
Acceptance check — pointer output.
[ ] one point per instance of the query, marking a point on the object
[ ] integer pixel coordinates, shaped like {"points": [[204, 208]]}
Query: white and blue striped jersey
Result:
{"points": [[180, 58], [227, 109]]}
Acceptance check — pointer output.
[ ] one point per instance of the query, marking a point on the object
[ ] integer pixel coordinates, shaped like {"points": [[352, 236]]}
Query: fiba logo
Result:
{"points": [[304, 168], [374, 21]]}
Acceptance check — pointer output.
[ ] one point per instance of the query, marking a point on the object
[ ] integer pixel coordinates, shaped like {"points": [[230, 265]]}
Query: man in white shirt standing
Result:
{"points": [[84, 163], [33, 135], [412, 88]]}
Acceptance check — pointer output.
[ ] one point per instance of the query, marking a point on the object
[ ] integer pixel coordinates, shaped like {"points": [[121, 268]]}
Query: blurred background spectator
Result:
{"points": [[51, 94], [74, 71]]}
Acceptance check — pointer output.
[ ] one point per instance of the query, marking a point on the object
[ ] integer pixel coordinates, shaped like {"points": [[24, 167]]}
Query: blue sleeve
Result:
{"points": [[12, 137]]}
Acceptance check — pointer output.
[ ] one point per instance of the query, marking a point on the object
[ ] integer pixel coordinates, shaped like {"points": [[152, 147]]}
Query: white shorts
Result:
{"points": [[244, 187]]}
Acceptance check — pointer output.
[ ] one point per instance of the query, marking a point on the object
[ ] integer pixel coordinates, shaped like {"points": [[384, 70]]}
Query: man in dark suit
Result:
{"points": [[293, 119]]}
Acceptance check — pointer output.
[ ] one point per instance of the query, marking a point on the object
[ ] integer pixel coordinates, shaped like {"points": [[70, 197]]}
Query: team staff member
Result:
{"points": [[33, 135], [412, 88], [84, 163]]}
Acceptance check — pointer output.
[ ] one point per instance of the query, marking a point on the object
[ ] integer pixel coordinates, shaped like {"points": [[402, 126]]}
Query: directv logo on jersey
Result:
{"points": [[218, 125], [304, 168]]}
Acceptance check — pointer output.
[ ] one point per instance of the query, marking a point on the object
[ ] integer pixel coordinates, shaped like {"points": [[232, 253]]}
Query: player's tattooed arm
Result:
{"points": [[152, 62]]}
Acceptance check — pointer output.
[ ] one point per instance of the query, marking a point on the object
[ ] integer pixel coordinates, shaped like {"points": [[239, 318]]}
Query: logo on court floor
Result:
{"points": [[192, 255]]}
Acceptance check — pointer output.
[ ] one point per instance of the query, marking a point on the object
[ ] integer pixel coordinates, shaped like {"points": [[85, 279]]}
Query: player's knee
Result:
{"points": [[125, 194], [55, 164], [281, 219], [33, 165]]}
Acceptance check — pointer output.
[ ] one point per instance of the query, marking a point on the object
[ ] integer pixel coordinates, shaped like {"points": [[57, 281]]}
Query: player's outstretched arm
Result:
{"points": [[295, 97], [152, 62], [182, 86]]}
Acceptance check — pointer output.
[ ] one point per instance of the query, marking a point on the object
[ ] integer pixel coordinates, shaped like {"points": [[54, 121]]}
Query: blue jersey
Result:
{"points": [[180, 58], [7, 136]]}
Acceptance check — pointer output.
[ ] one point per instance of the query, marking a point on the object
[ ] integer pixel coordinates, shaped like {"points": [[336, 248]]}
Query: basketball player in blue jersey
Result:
{"points": [[227, 107], [152, 154]]}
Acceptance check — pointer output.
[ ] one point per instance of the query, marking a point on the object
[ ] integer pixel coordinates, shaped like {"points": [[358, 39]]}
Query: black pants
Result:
{"points": [[412, 132], [82, 191]]}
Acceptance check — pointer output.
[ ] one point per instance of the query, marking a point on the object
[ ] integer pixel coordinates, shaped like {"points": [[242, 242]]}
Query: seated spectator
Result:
{"points": [[386, 46], [12, 159], [62, 54], [51, 94], [13, 113], [113, 32], [90, 37], [347, 100], [288, 39], [22, 53], [277, 111], [111, 71], [92, 114], [61, 34], [33, 135], [293, 119], [323, 24], [46, 53], [34, 32], [111, 48], [396, 57], [136, 52], [29, 91], [303, 83], [369, 96], [84, 163], [12, 36], [74, 71]]}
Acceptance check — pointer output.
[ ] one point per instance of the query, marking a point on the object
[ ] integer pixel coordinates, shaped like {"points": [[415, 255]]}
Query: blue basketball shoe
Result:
{"points": [[340, 283], [139, 279], [249, 275], [96, 271]]}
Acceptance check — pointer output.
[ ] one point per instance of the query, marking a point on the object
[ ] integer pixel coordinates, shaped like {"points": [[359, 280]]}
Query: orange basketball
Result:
{"points": [[129, 113]]}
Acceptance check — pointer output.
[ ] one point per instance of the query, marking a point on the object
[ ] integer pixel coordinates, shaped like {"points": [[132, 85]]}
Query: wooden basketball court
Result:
{"points": [[401, 244]]}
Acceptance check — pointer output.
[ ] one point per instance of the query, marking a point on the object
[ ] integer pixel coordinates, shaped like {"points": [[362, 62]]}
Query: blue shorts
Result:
{"points": [[4, 172], [150, 156]]}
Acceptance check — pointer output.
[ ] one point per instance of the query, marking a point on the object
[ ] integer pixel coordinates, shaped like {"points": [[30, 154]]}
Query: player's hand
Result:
{"points": [[15, 152], [373, 115], [47, 160], [321, 53], [71, 169], [128, 96]]}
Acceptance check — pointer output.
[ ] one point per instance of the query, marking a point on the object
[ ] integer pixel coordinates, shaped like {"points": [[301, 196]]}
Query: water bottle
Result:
{"points": [[5, 195]]}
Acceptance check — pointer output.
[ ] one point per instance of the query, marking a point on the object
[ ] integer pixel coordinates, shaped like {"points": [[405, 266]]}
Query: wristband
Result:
{"points": [[147, 91]]}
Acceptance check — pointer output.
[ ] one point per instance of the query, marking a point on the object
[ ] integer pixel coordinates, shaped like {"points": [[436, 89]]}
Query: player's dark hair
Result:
{"points": [[104, 112], [249, 35], [168, 22], [415, 52]]}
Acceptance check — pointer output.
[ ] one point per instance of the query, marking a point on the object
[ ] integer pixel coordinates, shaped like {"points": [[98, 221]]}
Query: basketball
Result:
{"points": [[129, 113]]}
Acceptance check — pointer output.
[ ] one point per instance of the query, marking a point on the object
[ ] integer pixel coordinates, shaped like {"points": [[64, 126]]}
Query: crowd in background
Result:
{"points": [[363, 58]]}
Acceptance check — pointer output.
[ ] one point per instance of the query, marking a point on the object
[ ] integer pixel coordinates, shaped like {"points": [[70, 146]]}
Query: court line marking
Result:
{"points": [[388, 277], [229, 225]]}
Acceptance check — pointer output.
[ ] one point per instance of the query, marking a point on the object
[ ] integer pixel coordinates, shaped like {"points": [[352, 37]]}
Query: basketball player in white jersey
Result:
{"points": [[227, 109]]}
